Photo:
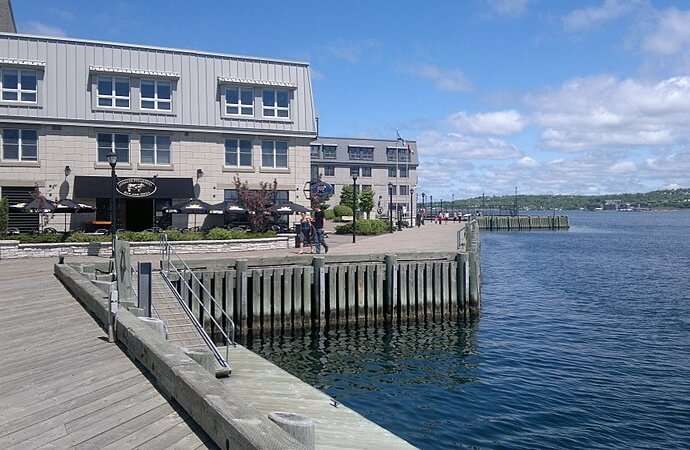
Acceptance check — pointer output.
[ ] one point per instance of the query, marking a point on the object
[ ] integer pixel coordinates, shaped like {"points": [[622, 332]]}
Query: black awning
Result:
{"points": [[100, 187]]}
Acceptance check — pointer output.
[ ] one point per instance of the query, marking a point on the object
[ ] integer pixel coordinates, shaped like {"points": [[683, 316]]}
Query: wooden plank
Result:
{"points": [[278, 309], [351, 293], [342, 293], [411, 294], [380, 274], [361, 281], [402, 301], [438, 306], [266, 300], [288, 308], [445, 294], [196, 295], [206, 311], [217, 307], [256, 300], [453, 286], [429, 290], [332, 303], [297, 295], [229, 299], [307, 282], [370, 294]]}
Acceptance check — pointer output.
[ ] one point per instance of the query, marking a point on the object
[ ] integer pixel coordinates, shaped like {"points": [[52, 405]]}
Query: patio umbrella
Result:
{"points": [[193, 206], [289, 208], [67, 206], [224, 207], [40, 205]]}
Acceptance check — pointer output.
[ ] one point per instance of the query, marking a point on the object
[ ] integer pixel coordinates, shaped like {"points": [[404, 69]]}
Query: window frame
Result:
{"points": [[354, 171], [365, 171], [113, 97], [316, 147], [356, 152], [274, 144], [406, 170], [238, 154], [155, 149], [404, 187], [332, 170], [239, 105], [113, 147], [275, 108], [155, 98], [19, 90], [20, 145], [392, 170], [325, 147]]}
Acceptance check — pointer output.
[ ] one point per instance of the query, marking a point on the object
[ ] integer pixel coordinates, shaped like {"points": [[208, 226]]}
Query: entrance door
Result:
{"points": [[139, 213]]}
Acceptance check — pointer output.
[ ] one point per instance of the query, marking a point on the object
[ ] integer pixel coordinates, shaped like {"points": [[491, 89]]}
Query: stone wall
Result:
{"points": [[12, 249]]}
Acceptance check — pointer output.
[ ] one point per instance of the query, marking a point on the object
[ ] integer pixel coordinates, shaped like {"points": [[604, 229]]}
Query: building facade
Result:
{"points": [[189, 121], [384, 166]]}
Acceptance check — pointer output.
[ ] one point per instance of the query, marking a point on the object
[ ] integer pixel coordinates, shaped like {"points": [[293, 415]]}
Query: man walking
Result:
{"points": [[319, 239]]}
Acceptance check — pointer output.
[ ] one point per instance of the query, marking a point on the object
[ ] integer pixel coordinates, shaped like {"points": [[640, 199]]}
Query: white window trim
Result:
{"points": [[359, 152], [155, 150], [20, 144], [19, 91], [155, 98], [275, 108], [362, 171], [112, 147], [113, 97], [330, 147], [251, 154], [275, 155], [239, 105], [328, 167], [407, 172]]}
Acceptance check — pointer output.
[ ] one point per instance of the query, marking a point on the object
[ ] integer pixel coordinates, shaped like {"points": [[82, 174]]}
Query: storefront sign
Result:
{"points": [[136, 187], [321, 189]]}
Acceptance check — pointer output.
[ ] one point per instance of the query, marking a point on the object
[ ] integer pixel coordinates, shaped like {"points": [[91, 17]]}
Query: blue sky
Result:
{"points": [[550, 96]]}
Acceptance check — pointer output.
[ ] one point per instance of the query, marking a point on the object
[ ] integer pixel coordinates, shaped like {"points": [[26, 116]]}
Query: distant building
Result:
{"points": [[378, 164], [7, 24]]}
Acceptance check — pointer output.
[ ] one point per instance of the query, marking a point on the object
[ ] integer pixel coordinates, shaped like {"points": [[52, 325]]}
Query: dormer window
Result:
{"points": [[113, 92], [19, 85], [276, 103], [239, 101], [156, 95]]}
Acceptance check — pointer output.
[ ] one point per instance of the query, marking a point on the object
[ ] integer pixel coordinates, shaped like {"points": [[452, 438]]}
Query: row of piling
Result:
{"points": [[523, 222]]}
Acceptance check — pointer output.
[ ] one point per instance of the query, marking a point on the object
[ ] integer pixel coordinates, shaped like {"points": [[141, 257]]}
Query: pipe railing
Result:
{"points": [[167, 267]]}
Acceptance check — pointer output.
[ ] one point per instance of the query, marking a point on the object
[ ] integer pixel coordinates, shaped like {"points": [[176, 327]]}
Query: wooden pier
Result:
{"points": [[521, 223]]}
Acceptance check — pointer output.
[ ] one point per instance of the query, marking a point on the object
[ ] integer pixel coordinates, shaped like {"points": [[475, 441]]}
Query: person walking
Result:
{"points": [[319, 236], [306, 232]]}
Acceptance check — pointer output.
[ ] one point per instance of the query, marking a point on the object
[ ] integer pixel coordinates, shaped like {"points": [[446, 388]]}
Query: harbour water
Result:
{"points": [[583, 342]]}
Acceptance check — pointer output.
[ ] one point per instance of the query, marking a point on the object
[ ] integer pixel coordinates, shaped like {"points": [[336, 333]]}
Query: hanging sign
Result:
{"points": [[136, 187], [321, 189]]}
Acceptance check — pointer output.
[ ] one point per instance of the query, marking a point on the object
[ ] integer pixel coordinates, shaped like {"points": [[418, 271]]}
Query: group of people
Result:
{"points": [[310, 232], [442, 217]]}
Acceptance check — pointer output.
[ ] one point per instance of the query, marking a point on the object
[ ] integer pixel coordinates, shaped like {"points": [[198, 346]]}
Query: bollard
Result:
{"points": [[298, 426], [157, 325], [205, 359]]}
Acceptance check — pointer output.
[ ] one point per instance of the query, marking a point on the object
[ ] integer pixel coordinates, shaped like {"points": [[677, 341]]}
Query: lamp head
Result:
{"points": [[112, 159]]}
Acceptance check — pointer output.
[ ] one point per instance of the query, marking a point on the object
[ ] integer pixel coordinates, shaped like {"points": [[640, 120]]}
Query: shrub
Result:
{"points": [[220, 234], [39, 238], [342, 210], [329, 214], [4, 215], [141, 236], [83, 237], [364, 227]]}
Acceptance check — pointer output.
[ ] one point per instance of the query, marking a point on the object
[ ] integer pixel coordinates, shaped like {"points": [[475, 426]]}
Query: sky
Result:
{"points": [[550, 96]]}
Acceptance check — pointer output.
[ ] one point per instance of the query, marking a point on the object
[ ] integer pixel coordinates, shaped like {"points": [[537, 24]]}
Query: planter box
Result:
{"points": [[11, 249]]}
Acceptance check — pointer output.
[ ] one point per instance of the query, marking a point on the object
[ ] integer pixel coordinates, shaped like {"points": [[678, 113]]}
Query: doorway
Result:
{"points": [[139, 214]]}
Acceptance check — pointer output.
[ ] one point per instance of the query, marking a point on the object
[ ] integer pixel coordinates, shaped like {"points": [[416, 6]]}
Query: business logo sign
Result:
{"points": [[321, 189], [136, 187]]}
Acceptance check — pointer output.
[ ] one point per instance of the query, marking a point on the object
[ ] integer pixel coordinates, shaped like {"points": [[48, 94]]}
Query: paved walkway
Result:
{"points": [[62, 385]]}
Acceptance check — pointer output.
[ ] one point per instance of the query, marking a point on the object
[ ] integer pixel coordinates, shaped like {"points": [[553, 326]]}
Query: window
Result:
{"points": [[156, 94], [366, 171], [155, 150], [108, 142], [19, 85], [231, 196], [239, 101], [282, 197], [403, 155], [393, 189], [274, 154], [315, 152], [276, 103], [404, 172], [113, 92], [354, 171], [404, 190], [361, 153], [392, 172], [19, 145], [329, 171], [314, 173], [238, 153], [391, 154], [329, 151], [366, 187]]}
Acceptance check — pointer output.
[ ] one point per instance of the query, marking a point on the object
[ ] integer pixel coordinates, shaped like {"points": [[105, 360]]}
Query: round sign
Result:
{"points": [[321, 188], [136, 187]]}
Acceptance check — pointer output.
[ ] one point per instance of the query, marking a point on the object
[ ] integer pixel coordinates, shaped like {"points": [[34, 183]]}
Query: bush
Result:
{"points": [[83, 237], [141, 236], [4, 215], [39, 238], [329, 214], [342, 210], [364, 227]]}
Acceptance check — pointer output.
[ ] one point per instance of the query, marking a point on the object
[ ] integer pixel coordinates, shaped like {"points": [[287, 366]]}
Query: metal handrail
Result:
{"points": [[167, 251]]}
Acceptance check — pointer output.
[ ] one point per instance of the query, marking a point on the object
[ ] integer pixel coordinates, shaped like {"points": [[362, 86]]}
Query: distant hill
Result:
{"points": [[670, 198]]}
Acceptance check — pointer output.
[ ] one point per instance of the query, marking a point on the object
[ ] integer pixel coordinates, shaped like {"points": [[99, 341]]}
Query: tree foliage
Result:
{"points": [[347, 197], [366, 201], [257, 202], [4, 215]]}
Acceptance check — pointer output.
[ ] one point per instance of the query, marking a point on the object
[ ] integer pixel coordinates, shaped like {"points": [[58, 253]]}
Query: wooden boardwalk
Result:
{"points": [[62, 385]]}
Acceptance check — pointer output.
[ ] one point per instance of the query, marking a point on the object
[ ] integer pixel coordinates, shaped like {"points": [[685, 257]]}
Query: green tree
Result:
{"points": [[366, 201], [347, 198], [4, 215]]}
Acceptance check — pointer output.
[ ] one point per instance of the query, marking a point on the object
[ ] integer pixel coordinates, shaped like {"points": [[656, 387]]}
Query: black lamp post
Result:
{"points": [[423, 202], [354, 208], [431, 206], [412, 211], [112, 160], [390, 206]]}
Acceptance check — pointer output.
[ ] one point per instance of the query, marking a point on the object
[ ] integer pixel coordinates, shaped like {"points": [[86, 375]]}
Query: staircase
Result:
{"points": [[180, 329]]}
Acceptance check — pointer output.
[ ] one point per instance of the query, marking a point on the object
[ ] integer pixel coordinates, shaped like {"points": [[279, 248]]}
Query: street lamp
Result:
{"points": [[431, 206], [412, 211], [112, 160], [354, 208], [423, 204], [390, 206]]}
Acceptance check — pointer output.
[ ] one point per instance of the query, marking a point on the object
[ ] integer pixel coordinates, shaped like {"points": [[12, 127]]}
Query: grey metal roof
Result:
{"points": [[379, 146], [7, 24]]}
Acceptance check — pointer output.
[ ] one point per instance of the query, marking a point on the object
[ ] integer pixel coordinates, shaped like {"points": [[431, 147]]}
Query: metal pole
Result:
{"points": [[412, 211], [113, 231], [390, 206], [431, 206], [354, 209]]}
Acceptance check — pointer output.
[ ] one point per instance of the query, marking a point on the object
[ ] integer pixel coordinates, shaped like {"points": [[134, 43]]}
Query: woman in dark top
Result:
{"points": [[306, 232]]}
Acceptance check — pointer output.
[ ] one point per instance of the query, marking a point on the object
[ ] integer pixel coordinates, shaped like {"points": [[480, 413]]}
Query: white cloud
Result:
{"points": [[351, 51], [527, 161], [490, 123], [456, 146], [508, 7], [452, 80], [671, 34], [623, 167], [605, 112], [43, 29], [592, 16]]}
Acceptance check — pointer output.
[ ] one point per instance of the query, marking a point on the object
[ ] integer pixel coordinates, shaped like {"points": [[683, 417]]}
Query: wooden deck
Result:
{"points": [[62, 385]]}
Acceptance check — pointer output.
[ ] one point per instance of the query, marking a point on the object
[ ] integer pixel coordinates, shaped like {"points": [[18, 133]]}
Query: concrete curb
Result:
{"points": [[179, 377]]}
